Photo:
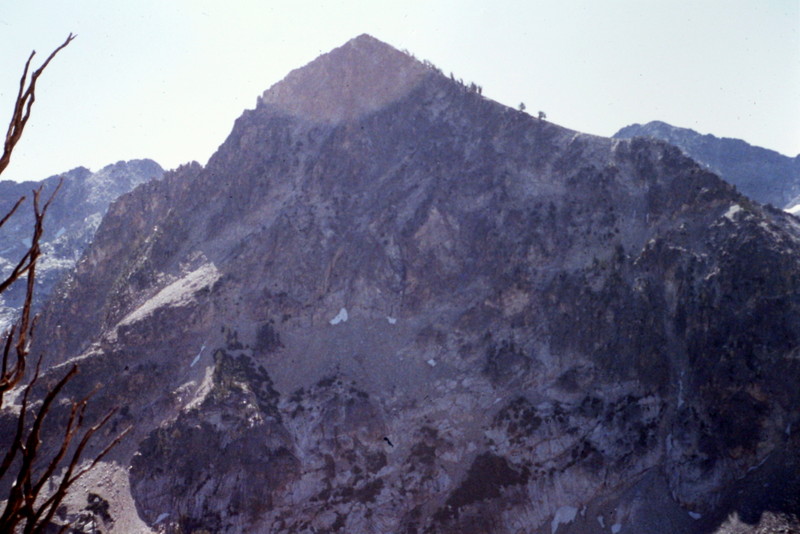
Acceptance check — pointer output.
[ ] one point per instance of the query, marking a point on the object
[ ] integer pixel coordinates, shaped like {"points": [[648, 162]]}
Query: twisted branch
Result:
{"points": [[28, 509], [25, 99]]}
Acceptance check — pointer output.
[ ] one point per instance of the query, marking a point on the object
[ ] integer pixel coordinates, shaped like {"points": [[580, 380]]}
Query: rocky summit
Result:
{"points": [[388, 304]]}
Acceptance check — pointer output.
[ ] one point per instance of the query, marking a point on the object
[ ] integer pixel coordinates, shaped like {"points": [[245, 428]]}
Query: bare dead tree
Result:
{"points": [[28, 507]]}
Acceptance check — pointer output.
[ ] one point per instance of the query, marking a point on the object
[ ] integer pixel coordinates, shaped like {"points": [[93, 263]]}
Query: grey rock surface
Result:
{"points": [[424, 312], [71, 223], [762, 174]]}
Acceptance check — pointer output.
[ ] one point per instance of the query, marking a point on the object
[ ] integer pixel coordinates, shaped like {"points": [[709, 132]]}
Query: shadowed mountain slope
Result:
{"points": [[421, 311]]}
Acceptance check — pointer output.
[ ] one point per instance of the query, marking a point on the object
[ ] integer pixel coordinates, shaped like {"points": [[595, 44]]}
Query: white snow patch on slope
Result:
{"points": [[794, 210], [199, 353], [733, 210], [695, 515], [178, 293], [341, 317], [564, 516]]}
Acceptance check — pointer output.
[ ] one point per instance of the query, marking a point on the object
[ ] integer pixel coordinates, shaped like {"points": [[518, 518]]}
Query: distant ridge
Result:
{"points": [[71, 222], [762, 174]]}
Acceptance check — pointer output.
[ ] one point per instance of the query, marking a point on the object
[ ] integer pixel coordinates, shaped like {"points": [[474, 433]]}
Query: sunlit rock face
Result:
{"points": [[353, 81], [764, 175], [72, 220], [431, 313]]}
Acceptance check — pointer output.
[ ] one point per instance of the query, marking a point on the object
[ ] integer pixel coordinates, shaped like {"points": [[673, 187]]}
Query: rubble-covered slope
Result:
{"points": [[437, 314], [71, 222]]}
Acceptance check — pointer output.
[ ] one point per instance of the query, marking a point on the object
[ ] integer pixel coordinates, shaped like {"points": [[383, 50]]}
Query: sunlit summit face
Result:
{"points": [[358, 78]]}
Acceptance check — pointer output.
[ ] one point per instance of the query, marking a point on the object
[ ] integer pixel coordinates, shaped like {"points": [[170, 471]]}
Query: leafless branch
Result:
{"points": [[28, 508], [18, 336], [11, 211], [24, 102], [26, 504]]}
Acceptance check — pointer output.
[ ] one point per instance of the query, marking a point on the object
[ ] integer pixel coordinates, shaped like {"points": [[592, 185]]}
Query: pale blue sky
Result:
{"points": [[165, 79]]}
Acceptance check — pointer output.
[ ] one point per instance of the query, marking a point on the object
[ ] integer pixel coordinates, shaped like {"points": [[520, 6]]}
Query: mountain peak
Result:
{"points": [[361, 76]]}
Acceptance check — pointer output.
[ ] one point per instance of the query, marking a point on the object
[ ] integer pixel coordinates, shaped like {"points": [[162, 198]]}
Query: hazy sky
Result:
{"points": [[165, 79]]}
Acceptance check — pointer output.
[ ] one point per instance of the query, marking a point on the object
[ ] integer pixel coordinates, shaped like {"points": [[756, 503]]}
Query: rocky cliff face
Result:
{"points": [[71, 223], [764, 175], [419, 311]]}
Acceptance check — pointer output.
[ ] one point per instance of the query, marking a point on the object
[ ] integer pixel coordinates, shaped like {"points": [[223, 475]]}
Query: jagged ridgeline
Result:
{"points": [[764, 175], [75, 214], [391, 304]]}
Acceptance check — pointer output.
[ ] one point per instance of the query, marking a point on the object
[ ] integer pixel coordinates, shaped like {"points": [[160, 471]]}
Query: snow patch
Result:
{"points": [[695, 515], [564, 516], [161, 517], [341, 317], [391, 320], [602, 521], [794, 210], [616, 527], [432, 362], [60, 232], [733, 210], [199, 353]]}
